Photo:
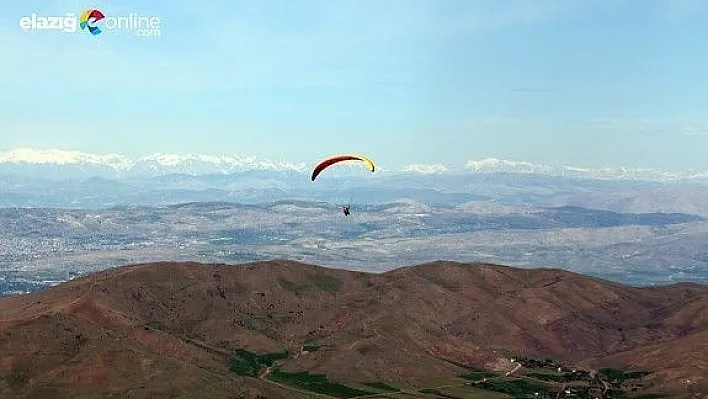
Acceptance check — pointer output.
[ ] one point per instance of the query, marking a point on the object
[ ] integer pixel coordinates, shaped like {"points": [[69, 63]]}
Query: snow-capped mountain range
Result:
{"points": [[24, 159], [158, 162], [491, 165]]}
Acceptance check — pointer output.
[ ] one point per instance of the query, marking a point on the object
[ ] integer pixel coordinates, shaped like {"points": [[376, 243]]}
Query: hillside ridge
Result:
{"points": [[399, 327]]}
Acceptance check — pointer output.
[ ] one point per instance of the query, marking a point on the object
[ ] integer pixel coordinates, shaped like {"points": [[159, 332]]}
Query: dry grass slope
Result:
{"points": [[168, 329]]}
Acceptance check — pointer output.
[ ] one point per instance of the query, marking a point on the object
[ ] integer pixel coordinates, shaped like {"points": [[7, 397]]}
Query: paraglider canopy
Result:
{"points": [[340, 158]]}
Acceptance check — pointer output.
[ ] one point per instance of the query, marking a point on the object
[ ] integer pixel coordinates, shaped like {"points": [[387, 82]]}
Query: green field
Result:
{"points": [[478, 375], [540, 382], [317, 383], [250, 364]]}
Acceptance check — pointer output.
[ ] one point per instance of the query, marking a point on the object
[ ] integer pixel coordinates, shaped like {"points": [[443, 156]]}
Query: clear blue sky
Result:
{"points": [[587, 83]]}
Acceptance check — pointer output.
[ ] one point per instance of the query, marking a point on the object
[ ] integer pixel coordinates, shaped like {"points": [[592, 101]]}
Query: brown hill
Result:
{"points": [[168, 330]]}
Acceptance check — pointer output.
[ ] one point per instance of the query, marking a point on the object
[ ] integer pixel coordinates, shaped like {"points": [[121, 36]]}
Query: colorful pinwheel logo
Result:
{"points": [[91, 17]]}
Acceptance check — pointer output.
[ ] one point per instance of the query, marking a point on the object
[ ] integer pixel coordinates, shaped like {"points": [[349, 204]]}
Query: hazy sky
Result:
{"points": [[586, 83]]}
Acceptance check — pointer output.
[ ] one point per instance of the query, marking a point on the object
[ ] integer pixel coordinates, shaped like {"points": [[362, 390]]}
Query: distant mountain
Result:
{"points": [[55, 178], [56, 163], [491, 165], [658, 199], [283, 329], [81, 164]]}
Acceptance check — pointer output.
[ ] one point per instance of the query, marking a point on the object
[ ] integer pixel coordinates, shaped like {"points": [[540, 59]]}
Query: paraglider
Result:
{"points": [[340, 158], [324, 164]]}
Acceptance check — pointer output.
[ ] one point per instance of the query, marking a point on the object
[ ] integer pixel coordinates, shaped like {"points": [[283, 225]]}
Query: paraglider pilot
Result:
{"points": [[345, 209]]}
